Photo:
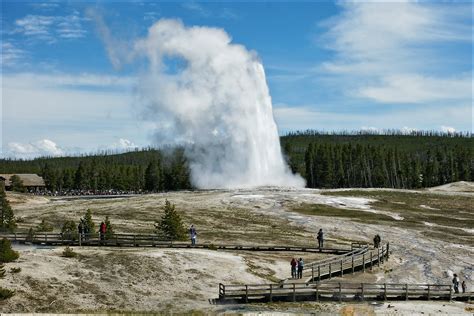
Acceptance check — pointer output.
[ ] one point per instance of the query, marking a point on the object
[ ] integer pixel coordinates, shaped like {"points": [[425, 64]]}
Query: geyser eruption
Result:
{"points": [[212, 94]]}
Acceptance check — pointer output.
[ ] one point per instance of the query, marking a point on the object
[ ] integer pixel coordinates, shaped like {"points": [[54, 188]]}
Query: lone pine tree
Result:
{"points": [[171, 224]]}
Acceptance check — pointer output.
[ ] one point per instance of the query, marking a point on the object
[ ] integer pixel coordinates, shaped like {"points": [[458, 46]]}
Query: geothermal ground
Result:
{"points": [[431, 235]]}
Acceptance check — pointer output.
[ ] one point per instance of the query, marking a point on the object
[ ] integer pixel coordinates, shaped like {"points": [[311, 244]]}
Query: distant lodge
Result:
{"points": [[31, 181]]}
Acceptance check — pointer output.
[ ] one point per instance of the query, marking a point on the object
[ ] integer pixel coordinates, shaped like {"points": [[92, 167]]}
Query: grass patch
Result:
{"points": [[448, 214], [326, 210]]}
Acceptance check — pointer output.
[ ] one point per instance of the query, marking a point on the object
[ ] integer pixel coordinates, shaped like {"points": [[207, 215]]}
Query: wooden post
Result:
{"points": [[329, 270], [387, 250], [246, 293], [294, 292], [378, 256], [342, 270], [312, 274], [317, 292], [340, 292], [371, 261], [406, 292], [271, 292], [428, 292], [363, 262], [319, 273], [362, 290], [352, 264], [385, 291]]}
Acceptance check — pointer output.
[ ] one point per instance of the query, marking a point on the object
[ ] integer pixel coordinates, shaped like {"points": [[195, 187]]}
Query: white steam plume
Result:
{"points": [[216, 97]]}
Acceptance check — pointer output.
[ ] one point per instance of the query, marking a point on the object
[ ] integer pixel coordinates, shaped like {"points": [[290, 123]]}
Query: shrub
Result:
{"points": [[7, 254], [5, 293], [7, 219], [15, 270], [68, 252], [44, 226], [171, 224], [69, 230]]}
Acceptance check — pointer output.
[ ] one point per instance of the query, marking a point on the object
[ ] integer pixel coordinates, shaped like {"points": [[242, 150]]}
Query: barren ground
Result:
{"points": [[431, 234]]}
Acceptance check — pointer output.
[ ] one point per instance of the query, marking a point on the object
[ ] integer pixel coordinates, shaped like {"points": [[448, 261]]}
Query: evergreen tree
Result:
{"points": [[7, 254], [171, 225], [69, 230], [17, 184], [154, 177], [89, 222], [109, 229], [7, 219]]}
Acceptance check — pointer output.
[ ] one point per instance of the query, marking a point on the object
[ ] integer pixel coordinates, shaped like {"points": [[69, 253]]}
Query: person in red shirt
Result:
{"points": [[102, 231], [293, 268]]}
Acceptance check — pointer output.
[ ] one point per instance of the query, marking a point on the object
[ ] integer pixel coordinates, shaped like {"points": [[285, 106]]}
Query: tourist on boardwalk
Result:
{"points": [[463, 286], [193, 234], [293, 268], [300, 268], [102, 231], [320, 238], [456, 283], [377, 241], [80, 230], [86, 229]]}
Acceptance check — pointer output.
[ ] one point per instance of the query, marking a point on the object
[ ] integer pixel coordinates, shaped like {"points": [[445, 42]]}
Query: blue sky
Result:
{"points": [[329, 66]]}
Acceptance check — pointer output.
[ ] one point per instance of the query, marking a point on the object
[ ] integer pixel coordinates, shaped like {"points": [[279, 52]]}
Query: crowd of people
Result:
{"points": [[83, 192]]}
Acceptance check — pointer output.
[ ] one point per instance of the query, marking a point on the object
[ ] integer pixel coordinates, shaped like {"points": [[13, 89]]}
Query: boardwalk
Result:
{"points": [[144, 240], [338, 292]]}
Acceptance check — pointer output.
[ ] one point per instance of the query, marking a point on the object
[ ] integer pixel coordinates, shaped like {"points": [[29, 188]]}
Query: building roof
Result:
{"points": [[29, 179]]}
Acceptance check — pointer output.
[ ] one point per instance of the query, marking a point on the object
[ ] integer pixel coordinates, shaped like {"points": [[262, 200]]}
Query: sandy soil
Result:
{"points": [[107, 279]]}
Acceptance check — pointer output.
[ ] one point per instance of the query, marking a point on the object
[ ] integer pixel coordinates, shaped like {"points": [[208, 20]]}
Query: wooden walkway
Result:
{"points": [[338, 292], [143, 240]]}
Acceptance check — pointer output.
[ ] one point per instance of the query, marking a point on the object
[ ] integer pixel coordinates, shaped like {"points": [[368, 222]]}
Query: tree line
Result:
{"points": [[347, 165], [326, 160]]}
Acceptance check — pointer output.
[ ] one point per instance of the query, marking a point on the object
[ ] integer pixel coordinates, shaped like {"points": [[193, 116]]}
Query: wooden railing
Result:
{"points": [[338, 291], [358, 259], [147, 240]]}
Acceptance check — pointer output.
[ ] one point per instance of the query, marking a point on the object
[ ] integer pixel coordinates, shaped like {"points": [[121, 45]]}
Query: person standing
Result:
{"points": [[102, 230], [293, 268], [80, 230], [377, 241], [320, 238], [193, 234], [300, 268], [463, 286], [456, 283]]}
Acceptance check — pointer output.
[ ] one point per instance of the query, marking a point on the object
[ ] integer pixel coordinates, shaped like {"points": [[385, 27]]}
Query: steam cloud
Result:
{"points": [[212, 94]]}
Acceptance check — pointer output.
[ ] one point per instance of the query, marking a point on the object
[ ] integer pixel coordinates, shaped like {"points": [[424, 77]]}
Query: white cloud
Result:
{"points": [[123, 144], [448, 129], [389, 51], [412, 119], [82, 110], [418, 89], [11, 54], [49, 28], [44, 147]]}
